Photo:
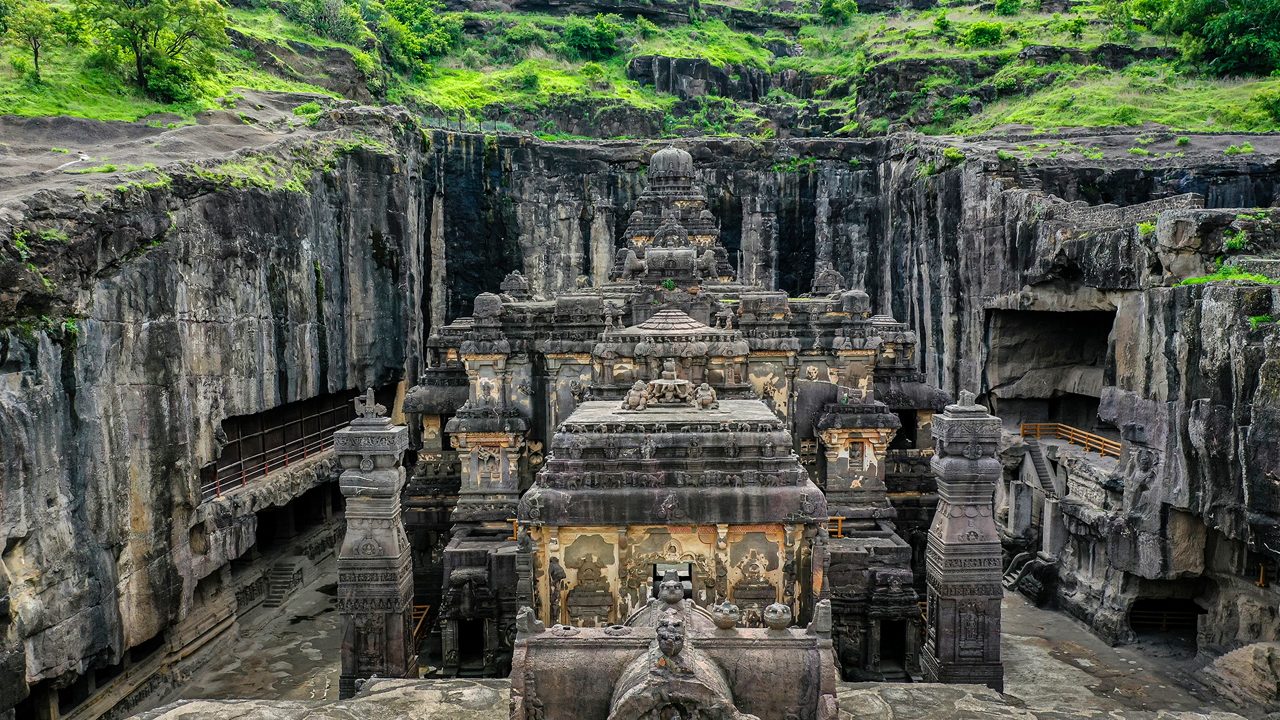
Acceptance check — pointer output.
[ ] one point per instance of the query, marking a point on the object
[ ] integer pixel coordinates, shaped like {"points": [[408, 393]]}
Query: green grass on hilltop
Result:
{"points": [[710, 40], [1147, 93], [71, 85]]}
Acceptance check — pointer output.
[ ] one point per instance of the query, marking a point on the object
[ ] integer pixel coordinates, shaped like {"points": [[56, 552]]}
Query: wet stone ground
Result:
{"points": [[284, 653], [1053, 665]]}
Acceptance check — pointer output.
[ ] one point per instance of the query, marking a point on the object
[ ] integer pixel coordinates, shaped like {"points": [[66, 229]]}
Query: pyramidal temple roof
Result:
{"points": [[669, 322]]}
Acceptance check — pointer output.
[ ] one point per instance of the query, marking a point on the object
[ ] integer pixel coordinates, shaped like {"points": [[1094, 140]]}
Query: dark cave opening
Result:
{"points": [[471, 645], [907, 436], [1049, 367]]}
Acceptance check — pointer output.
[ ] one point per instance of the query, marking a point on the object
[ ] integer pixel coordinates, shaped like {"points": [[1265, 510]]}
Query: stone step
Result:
{"points": [[280, 581]]}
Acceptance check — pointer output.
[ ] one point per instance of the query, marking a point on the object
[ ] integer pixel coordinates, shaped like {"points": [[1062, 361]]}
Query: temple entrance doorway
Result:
{"points": [[893, 646], [471, 647]]}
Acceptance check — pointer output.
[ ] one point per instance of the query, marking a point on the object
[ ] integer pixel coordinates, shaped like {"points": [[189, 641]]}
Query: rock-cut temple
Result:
{"points": [[676, 479]]}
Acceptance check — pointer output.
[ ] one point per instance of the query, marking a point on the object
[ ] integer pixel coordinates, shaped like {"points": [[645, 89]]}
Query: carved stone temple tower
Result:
{"points": [[963, 561], [375, 572]]}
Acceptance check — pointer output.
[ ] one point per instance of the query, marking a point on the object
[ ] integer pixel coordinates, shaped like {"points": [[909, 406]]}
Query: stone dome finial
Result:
{"points": [[671, 162]]}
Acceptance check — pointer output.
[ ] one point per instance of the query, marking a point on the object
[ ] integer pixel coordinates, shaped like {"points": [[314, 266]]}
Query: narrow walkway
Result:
{"points": [[285, 653]]}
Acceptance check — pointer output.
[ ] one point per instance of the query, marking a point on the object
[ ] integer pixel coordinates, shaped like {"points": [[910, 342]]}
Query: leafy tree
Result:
{"points": [[172, 38], [1008, 7], [1075, 27], [1119, 15], [436, 32], [944, 28], [1229, 37], [30, 25], [591, 39], [837, 12], [5, 11]]}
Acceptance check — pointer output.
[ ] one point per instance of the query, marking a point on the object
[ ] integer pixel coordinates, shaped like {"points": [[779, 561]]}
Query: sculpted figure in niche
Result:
{"points": [[559, 578], [705, 397], [590, 574]]}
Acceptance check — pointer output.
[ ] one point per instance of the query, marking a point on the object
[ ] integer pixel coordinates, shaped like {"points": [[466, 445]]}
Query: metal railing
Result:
{"points": [[1090, 442], [419, 616], [293, 438]]}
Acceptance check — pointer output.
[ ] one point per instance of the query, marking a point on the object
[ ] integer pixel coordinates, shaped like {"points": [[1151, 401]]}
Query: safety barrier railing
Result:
{"points": [[1105, 447]]}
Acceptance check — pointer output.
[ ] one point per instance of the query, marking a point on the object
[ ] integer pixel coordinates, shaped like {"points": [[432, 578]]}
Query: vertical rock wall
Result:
{"points": [[190, 304]]}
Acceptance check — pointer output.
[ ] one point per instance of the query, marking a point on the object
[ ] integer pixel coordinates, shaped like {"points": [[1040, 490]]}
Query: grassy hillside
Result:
{"points": [[946, 70]]}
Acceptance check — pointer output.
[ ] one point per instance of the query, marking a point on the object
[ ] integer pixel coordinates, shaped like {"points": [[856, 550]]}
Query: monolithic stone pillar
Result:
{"points": [[963, 560], [375, 571]]}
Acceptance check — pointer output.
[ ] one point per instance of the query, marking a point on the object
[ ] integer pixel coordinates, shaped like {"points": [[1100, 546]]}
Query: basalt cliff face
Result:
{"points": [[141, 316]]}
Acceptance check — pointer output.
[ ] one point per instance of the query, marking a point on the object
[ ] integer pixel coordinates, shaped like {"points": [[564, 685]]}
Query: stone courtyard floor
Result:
{"points": [[284, 653], [1051, 661]]}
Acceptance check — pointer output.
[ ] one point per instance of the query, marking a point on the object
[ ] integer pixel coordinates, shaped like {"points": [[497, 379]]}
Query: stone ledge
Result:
{"points": [[488, 700]]}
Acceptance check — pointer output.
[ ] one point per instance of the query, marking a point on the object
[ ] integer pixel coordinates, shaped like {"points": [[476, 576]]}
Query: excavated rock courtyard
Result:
{"points": [[284, 665]]}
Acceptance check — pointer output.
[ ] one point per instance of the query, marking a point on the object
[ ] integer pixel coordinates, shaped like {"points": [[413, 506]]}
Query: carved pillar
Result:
{"points": [[963, 560], [375, 572]]}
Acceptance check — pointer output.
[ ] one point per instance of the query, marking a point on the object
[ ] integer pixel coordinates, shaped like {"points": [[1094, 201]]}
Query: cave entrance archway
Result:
{"points": [[1172, 620]]}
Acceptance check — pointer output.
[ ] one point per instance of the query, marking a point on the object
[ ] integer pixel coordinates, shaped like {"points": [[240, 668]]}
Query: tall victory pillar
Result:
{"points": [[963, 559], [375, 569]]}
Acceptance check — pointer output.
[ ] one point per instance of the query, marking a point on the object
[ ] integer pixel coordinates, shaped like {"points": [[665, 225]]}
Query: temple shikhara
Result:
{"points": [[678, 470]]}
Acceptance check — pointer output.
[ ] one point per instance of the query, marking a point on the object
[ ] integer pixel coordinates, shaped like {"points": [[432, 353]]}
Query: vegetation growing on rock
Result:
{"points": [[738, 68]]}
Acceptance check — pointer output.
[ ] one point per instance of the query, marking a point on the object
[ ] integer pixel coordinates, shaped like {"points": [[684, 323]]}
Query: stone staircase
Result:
{"points": [[283, 578], [1017, 568], [1028, 180], [1036, 451]]}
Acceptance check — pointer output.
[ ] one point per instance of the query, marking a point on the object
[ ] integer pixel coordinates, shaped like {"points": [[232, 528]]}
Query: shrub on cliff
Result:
{"points": [[435, 32], [983, 34], [838, 12]]}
